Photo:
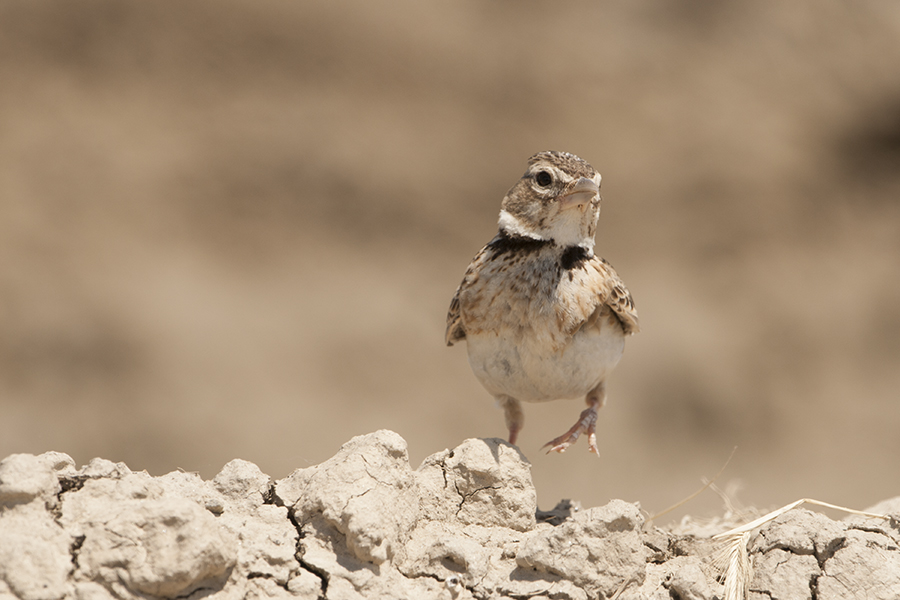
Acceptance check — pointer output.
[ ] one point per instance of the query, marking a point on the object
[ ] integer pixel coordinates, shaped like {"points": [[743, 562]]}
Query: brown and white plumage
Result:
{"points": [[544, 318]]}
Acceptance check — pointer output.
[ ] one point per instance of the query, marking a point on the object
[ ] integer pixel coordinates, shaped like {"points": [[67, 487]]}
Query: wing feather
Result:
{"points": [[455, 329], [617, 297]]}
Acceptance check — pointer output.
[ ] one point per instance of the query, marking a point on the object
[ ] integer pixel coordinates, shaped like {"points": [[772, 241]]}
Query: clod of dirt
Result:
{"points": [[364, 524]]}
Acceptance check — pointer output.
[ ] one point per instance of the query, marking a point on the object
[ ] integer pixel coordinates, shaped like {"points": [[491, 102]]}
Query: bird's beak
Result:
{"points": [[581, 194]]}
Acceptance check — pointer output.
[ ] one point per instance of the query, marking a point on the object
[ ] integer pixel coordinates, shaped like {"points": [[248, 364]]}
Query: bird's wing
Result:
{"points": [[455, 329], [607, 293], [619, 299]]}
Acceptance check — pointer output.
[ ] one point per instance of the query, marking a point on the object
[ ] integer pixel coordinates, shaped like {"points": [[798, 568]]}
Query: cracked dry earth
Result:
{"points": [[364, 524]]}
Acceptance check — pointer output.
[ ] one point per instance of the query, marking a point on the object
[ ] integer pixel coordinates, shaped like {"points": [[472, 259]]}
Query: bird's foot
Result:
{"points": [[586, 424]]}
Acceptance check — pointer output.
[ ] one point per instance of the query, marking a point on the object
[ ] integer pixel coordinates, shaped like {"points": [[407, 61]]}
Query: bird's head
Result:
{"points": [[557, 199]]}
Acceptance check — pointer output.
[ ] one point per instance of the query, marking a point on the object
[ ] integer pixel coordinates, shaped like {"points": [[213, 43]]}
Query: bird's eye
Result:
{"points": [[543, 178]]}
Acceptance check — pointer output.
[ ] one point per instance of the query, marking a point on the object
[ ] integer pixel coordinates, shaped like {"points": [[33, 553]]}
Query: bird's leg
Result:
{"points": [[515, 418], [586, 423]]}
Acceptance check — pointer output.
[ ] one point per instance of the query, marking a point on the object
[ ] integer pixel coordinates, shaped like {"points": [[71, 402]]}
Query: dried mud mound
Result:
{"points": [[363, 524]]}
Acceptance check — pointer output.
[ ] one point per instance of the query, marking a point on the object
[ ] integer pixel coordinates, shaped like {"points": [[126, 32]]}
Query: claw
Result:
{"points": [[586, 423]]}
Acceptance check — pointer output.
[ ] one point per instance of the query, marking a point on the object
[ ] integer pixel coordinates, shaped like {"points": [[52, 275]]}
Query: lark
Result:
{"points": [[543, 317]]}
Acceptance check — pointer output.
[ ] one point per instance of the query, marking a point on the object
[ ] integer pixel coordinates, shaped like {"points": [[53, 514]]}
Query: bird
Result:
{"points": [[543, 317]]}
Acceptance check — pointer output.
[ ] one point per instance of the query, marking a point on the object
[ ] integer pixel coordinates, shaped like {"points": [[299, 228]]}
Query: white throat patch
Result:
{"points": [[567, 229], [564, 231]]}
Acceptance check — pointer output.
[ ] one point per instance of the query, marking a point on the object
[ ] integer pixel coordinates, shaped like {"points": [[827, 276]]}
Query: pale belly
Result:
{"points": [[527, 371]]}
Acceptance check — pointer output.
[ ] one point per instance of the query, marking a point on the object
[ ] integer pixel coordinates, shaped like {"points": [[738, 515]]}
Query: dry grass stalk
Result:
{"points": [[737, 566], [695, 494]]}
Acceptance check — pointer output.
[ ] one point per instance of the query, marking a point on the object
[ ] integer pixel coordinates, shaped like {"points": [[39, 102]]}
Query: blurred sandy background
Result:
{"points": [[232, 229]]}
